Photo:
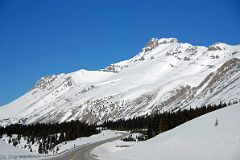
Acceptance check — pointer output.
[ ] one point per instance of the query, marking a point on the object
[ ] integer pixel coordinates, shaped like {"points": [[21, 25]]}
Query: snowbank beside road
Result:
{"points": [[198, 139]]}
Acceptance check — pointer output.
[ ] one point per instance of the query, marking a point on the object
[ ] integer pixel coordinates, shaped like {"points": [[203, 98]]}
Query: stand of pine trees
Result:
{"points": [[49, 135], [158, 123]]}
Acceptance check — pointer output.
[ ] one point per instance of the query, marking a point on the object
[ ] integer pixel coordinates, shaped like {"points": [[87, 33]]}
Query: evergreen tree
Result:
{"points": [[40, 149]]}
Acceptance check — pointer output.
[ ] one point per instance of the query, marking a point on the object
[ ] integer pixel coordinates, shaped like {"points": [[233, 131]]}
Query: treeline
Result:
{"points": [[49, 135], [158, 123]]}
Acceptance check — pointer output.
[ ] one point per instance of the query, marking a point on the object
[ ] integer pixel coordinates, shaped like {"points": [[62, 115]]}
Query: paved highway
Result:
{"points": [[83, 152]]}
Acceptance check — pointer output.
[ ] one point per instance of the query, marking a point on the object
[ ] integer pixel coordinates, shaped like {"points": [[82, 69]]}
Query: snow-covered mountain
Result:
{"points": [[166, 75]]}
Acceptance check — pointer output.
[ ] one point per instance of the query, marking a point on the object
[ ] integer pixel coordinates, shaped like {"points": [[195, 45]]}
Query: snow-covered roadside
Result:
{"points": [[199, 139], [106, 134], [8, 151], [22, 143], [112, 147]]}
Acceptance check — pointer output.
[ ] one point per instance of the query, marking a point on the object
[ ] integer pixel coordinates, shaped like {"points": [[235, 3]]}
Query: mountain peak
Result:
{"points": [[164, 76], [155, 42], [167, 40], [218, 46], [162, 40]]}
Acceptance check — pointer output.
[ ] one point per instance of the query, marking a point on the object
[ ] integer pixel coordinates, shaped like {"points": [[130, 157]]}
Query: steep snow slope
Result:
{"points": [[165, 75], [195, 140]]}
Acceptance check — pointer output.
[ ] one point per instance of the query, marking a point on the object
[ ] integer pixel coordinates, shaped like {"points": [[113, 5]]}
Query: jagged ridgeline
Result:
{"points": [[166, 75]]}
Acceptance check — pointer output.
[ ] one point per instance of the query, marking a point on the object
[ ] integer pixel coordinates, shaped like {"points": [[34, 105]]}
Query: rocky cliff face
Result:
{"points": [[165, 76]]}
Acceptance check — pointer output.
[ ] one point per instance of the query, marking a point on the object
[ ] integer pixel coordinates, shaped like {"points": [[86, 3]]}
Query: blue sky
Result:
{"points": [[40, 37]]}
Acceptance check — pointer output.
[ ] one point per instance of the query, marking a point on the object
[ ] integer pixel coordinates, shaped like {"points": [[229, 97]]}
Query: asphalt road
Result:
{"points": [[83, 152]]}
